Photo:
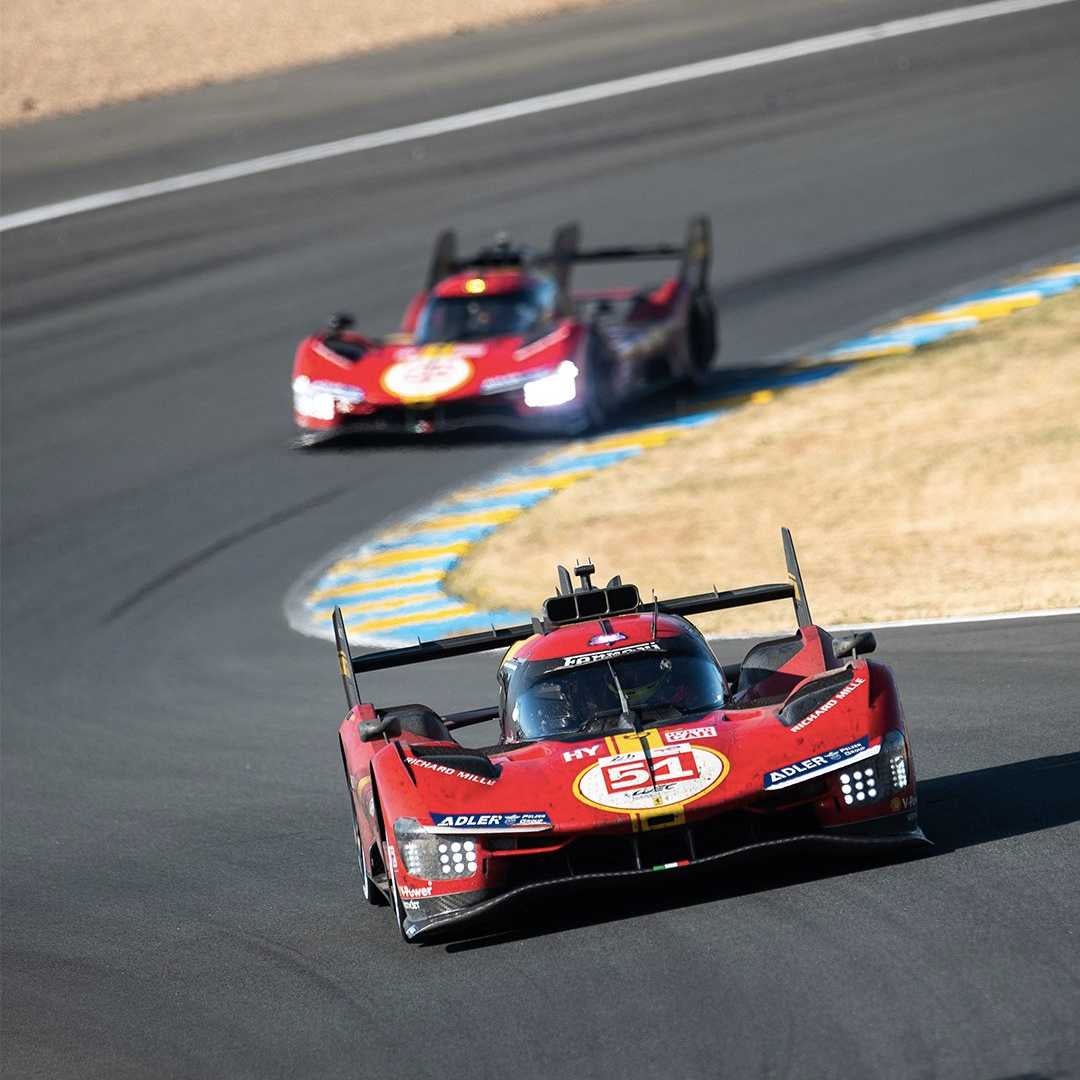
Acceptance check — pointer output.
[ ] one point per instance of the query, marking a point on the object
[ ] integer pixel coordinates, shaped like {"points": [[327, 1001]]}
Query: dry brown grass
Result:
{"points": [[944, 483], [66, 55]]}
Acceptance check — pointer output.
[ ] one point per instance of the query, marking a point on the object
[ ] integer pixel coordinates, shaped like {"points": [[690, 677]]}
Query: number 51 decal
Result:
{"points": [[634, 775]]}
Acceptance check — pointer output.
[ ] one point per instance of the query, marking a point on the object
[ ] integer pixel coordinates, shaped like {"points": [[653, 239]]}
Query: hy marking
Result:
{"points": [[513, 110]]}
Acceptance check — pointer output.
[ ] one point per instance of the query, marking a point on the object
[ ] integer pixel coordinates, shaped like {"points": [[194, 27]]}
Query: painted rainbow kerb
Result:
{"points": [[391, 585]]}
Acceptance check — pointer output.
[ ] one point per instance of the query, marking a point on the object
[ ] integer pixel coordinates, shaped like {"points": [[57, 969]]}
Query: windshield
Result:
{"points": [[662, 681], [470, 318]]}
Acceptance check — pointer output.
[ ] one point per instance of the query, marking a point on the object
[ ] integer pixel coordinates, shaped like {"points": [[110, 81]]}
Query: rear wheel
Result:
{"points": [[703, 339], [598, 393]]}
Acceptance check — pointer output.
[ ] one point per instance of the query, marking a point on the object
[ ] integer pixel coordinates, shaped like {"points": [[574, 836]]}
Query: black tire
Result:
{"points": [[599, 405], [369, 888], [703, 339], [395, 903]]}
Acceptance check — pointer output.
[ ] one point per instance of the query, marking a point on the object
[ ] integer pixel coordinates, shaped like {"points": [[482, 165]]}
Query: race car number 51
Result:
{"points": [[635, 775], [669, 776]]}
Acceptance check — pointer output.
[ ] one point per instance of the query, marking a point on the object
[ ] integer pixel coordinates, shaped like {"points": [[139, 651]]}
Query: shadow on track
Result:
{"points": [[956, 812], [729, 387]]}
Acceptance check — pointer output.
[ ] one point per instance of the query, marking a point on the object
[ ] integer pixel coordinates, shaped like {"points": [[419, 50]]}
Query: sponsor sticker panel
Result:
{"points": [[520, 821], [824, 762], [821, 710]]}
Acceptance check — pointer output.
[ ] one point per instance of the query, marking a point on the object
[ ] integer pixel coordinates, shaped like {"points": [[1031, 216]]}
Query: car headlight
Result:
{"points": [[861, 785], [435, 858], [322, 400], [555, 389], [893, 761], [308, 401], [885, 774]]}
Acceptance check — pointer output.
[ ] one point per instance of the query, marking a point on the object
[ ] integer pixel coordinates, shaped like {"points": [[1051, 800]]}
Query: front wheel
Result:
{"points": [[371, 892], [395, 901]]}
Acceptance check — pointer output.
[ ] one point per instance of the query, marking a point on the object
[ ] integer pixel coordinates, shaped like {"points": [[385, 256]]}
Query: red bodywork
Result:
{"points": [[598, 349], [808, 751]]}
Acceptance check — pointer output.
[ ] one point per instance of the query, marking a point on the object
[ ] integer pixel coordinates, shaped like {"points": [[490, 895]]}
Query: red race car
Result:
{"points": [[498, 340], [625, 749]]}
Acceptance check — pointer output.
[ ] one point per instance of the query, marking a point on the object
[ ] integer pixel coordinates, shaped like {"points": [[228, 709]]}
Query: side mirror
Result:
{"points": [[854, 644], [340, 320]]}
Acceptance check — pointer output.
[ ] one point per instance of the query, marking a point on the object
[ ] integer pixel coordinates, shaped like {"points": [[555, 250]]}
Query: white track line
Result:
{"points": [[512, 110]]}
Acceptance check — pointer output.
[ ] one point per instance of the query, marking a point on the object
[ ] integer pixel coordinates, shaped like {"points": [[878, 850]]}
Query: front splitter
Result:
{"points": [[425, 926]]}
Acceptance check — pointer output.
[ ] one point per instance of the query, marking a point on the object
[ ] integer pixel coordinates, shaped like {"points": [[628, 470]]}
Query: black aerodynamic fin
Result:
{"points": [[564, 248], [697, 255], [348, 676], [802, 608], [443, 258], [565, 586]]}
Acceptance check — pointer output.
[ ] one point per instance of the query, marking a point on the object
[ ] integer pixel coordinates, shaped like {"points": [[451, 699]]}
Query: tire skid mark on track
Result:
{"points": [[390, 585], [180, 568]]}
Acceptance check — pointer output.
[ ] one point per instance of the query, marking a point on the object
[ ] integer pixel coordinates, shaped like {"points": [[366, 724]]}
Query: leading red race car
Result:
{"points": [[497, 339], [625, 749]]}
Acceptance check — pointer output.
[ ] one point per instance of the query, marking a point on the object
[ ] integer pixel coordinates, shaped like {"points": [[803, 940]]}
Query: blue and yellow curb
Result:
{"points": [[391, 585]]}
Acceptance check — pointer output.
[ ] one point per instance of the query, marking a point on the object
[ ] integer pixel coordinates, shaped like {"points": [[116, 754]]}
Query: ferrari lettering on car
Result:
{"points": [[612, 654], [622, 744]]}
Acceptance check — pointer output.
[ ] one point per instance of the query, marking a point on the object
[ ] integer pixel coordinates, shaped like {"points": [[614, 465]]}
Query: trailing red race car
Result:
{"points": [[497, 339], [625, 748]]}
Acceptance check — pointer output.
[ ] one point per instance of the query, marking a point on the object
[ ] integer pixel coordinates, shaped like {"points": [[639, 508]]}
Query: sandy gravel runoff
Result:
{"points": [[941, 484], [61, 56]]}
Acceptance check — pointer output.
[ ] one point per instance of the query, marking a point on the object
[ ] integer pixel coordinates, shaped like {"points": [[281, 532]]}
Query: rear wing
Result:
{"points": [[571, 605], [694, 255]]}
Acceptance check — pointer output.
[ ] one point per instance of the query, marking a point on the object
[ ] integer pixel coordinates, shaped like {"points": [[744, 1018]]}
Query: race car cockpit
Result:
{"points": [[473, 318], [674, 678]]}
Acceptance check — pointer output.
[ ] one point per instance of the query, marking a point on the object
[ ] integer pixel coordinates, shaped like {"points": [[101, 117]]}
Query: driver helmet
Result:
{"points": [[641, 682]]}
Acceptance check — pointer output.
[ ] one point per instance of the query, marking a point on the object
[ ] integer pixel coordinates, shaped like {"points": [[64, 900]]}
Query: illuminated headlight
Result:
{"points": [[308, 401], [555, 389], [322, 400], [426, 855]]}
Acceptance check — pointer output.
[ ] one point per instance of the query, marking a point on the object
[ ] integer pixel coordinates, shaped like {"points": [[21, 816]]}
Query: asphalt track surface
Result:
{"points": [[178, 894]]}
